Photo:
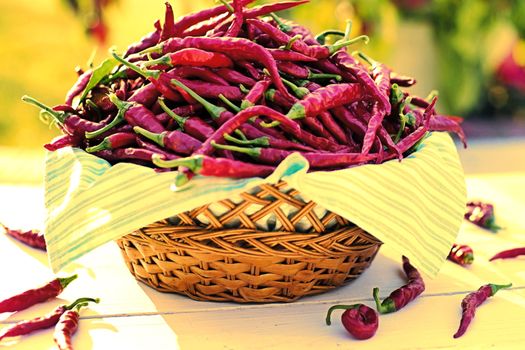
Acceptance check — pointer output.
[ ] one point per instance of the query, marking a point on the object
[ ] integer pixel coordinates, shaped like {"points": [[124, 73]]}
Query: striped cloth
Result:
{"points": [[415, 206]]}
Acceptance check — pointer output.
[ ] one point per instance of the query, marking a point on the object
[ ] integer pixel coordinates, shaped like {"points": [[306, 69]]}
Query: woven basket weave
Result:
{"points": [[268, 245]]}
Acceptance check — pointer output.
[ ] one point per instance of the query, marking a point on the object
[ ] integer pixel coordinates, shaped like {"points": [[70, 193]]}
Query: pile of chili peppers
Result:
{"points": [[231, 91]]}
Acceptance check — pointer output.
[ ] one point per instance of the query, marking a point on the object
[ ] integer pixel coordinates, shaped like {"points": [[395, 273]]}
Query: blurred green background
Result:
{"points": [[470, 50]]}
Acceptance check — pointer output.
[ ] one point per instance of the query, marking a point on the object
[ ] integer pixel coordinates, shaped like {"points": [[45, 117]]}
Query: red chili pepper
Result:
{"points": [[193, 126], [402, 80], [132, 112], [78, 87], [43, 322], [301, 72], [287, 55], [176, 141], [182, 111], [66, 327], [34, 296], [328, 97], [334, 128], [62, 141], [32, 238], [116, 140], [461, 254], [192, 57], [128, 154], [359, 320], [168, 30], [252, 133], [152, 148], [402, 296], [208, 90], [472, 301], [317, 160], [509, 254], [235, 77], [237, 48], [255, 94], [201, 73], [222, 167], [482, 215], [238, 12], [147, 95], [447, 123]]}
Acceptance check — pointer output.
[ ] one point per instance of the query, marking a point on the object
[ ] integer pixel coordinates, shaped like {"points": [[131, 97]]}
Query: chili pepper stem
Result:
{"points": [[324, 76], [105, 144], [154, 74], [82, 301], [67, 280], [252, 152], [338, 307], [215, 111], [385, 307], [193, 163], [300, 92], [227, 5], [229, 103], [339, 45], [58, 116], [289, 44], [164, 60], [117, 120], [496, 287], [468, 258], [320, 38], [157, 138], [180, 120], [261, 141], [282, 26]]}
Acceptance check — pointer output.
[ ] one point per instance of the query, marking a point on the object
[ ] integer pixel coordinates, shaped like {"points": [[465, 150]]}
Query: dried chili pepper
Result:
{"points": [[509, 254], [472, 301], [116, 140], [401, 296], [461, 254], [175, 140], [192, 57], [66, 327], [359, 320], [482, 215], [42, 322], [32, 238], [34, 296], [63, 141]]}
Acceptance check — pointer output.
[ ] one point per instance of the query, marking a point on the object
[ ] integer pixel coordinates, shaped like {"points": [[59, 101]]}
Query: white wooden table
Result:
{"points": [[133, 316]]}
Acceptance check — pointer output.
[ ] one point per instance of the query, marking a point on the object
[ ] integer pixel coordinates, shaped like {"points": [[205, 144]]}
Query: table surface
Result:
{"points": [[134, 316]]}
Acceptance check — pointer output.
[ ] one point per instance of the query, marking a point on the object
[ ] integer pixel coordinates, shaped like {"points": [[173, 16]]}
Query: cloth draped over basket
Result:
{"points": [[415, 206]]}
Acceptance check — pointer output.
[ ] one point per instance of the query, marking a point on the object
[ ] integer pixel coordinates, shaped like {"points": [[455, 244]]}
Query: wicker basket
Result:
{"points": [[225, 251]]}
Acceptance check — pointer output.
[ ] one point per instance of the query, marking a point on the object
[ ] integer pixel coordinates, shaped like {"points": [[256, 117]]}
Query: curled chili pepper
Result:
{"points": [[32, 238], [359, 320], [472, 301], [482, 215], [402, 296], [34, 296], [461, 254], [42, 322], [508, 254]]}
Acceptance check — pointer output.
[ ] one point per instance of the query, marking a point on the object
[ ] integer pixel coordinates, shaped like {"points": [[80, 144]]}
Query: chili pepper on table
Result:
{"points": [[42, 322], [401, 296], [34, 296], [472, 301], [116, 140], [509, 254], [482, 215], [222, 167], [66, 327], [32, 238], [359, 320], [192, 57], [176, 141], [237, 48], [461, 254]]}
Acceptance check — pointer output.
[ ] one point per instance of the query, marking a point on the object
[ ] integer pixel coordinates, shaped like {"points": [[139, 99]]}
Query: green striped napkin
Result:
{"points": [[415, 206]]}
